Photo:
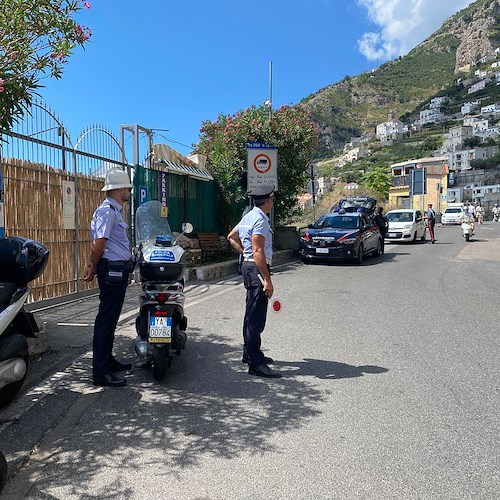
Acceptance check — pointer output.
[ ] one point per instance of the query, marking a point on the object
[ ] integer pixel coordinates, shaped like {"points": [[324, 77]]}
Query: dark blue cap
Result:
{"points": [[262, 191]]}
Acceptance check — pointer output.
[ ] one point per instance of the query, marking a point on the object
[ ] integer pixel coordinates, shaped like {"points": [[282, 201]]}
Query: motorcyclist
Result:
{"points": [[469, 219]]}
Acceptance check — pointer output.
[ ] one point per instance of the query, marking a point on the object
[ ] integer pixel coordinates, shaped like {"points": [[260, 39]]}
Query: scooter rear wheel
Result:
{"points": [[9, 392], [160, 361]]}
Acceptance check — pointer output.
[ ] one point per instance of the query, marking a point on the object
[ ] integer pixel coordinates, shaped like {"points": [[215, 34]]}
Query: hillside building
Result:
{"points": [[461, 159], [391, 130], [468, 107], [436, 183], [490, 109], [356, 153], [437, 102], [478, 86], [431, 116], [456, 137]]}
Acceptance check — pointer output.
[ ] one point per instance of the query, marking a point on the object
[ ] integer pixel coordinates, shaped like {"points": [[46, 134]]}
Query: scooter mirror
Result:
{"points": [[187, 227]]}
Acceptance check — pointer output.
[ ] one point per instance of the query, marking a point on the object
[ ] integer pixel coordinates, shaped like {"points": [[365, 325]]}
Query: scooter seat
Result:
{"points": [[7, 289]]}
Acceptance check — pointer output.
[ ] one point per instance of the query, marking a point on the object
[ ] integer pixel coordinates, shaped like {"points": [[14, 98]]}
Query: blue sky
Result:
{"points": [[172, 64]]}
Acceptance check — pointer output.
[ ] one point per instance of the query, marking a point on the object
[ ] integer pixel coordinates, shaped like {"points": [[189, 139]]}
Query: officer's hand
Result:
{"points": [[90, 272], [268, 289]]}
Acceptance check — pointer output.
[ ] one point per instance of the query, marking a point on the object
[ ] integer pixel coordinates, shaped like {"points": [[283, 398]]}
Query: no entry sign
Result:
{"points": [[262, 164]]}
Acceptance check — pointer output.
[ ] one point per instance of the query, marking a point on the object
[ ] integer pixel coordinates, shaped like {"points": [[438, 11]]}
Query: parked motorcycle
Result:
{"points": [[161, 324], [467, 229], [21, 261]]}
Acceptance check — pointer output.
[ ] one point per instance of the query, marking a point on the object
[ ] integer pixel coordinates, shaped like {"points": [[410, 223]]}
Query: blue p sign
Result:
{"points": [[143, 194]]}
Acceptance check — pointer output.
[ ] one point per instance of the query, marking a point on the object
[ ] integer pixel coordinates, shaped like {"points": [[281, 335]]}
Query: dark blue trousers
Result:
{"points": [[111, 298], [255, 314]]}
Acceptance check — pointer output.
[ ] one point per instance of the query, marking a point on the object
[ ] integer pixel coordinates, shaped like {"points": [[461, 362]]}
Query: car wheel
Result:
{"points": [[360, 255], [378, 250]]}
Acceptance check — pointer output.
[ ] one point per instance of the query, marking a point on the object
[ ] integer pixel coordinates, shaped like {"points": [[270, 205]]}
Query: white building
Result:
{"points": [[437, 102], [478, 86], [481, 73], [390, 130], [456, 137], [493, 132], [479, 126], [460, 159], [492, 108], [324, 185], [356, 153], [468, 107], [430, 116]]}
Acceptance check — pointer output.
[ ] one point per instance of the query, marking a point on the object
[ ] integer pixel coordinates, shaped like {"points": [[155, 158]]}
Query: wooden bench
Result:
{"points": [[211, 245]]}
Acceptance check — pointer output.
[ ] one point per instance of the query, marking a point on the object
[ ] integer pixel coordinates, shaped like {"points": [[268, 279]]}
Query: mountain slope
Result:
{"points": [[356, 105]]}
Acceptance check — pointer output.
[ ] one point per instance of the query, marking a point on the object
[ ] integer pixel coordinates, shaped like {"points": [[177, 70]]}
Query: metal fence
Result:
{"points": [[38, 159]]}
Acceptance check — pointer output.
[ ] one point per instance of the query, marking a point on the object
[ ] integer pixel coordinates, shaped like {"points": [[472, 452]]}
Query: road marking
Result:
{"points": [[75, 324]]}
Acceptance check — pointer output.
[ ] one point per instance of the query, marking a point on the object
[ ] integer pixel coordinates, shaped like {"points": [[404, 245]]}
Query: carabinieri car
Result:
{"points": [[341, 235]]}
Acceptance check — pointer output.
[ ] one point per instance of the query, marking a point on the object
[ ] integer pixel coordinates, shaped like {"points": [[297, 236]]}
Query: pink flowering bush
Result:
{"points": [[36, 39], [224, 142]]}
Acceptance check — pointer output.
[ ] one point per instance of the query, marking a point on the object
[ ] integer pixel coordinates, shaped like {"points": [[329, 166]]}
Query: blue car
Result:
{"points": [[345, 234]]}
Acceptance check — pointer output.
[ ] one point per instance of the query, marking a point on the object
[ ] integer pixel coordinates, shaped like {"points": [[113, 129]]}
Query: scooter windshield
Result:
{"points": [[149, 222]]}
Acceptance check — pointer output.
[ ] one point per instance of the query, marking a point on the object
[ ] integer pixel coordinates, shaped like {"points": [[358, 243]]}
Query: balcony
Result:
{"points": [[400, 181]]}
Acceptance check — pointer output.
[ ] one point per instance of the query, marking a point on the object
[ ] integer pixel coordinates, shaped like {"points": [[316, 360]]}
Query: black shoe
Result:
{"points": [[263, 371], [116, 366], [110, 380], [267, 361]]}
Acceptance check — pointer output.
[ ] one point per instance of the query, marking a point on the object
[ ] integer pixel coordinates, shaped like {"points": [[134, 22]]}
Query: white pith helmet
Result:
{"points": [[116, 178]]}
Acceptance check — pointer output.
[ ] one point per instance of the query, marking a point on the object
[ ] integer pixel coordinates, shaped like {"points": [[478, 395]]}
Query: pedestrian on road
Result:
{"points": [[383, 224], [252, 238], [431, 221], [110, 261]]}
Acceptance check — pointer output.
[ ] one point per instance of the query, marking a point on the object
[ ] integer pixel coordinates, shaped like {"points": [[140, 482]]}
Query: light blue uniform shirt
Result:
{"points": [[107, 222], [255, 222]]}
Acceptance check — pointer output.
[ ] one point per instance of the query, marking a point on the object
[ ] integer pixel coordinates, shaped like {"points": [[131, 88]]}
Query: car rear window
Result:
{"points": [[400, 216], [457, 210]]}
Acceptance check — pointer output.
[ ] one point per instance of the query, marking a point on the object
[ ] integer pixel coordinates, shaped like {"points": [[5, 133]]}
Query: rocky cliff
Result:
{"points": [[355, 106]]}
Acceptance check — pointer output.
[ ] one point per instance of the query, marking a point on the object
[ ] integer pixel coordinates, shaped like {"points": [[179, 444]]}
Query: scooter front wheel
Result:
{"points": [[160, 362], [9, 392]]}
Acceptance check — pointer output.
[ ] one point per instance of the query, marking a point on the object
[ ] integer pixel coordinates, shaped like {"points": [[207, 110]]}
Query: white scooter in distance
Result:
{"points": [[467, 228]]}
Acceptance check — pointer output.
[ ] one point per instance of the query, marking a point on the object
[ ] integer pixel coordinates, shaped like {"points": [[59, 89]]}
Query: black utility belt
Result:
{"points": [[118, 265]]}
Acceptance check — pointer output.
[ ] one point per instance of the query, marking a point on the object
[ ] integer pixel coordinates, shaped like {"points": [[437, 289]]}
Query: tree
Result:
{"points": [[379, 180], [36, 39], [224, 143]]}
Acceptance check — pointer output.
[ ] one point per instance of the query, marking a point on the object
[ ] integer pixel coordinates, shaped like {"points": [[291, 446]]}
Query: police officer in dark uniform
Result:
{"points": [[252, 238], [110, 261]]}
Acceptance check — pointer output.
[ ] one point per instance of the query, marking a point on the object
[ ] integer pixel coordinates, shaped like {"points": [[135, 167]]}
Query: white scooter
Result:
{"points": [[161, 324], [21, 261], [467, 229]]}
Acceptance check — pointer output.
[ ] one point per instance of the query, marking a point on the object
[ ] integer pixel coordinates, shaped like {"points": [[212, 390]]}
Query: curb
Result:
{"points": [[222, 269]]}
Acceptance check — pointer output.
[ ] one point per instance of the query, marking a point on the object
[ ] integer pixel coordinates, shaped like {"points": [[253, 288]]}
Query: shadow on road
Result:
{"points": [[328, 369], [207, 406]]}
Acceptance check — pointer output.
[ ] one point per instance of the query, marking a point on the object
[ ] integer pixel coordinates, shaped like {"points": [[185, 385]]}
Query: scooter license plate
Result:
{"points": [[160, 330]]}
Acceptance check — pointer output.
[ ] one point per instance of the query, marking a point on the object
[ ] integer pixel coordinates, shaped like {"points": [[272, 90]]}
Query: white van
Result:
{"points": [[405, 225]]}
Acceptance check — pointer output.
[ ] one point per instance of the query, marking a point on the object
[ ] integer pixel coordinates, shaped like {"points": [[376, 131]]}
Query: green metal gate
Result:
{"points": [[189, 200]]}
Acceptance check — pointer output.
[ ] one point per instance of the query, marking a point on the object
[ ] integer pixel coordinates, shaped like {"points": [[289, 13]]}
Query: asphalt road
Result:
{"points": [[391, 390]]}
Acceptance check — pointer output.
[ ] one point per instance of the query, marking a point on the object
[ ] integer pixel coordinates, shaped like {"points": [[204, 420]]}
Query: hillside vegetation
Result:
{"points": [[355, 105]]}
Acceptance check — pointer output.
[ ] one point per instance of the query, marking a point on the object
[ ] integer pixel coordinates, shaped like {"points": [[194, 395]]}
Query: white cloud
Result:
{"points": [[403, 24]]}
